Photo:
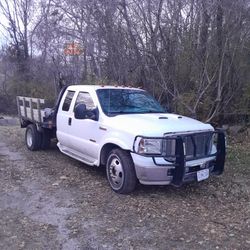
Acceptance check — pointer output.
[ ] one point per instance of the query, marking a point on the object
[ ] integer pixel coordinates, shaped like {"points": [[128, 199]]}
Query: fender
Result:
{"points": [[116, 141]]}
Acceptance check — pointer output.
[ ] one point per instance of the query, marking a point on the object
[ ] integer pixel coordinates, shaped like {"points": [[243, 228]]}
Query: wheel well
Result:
{"points": [[25, 123], [105, 151]]}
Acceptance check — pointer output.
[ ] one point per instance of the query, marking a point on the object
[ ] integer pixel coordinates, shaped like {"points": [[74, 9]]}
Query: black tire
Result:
{"points": [[45, 139], [120, 171], [32, 138]]}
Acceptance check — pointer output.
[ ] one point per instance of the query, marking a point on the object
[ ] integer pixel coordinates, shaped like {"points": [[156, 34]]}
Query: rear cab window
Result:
{"points": [[68, 100]]}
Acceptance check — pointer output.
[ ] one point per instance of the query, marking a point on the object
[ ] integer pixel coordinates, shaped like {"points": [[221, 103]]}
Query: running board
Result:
{"points": [[76, 155]]}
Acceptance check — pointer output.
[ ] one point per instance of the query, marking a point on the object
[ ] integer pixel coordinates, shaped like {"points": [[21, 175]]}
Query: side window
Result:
{"points": [[85, 98], [68, 100]]}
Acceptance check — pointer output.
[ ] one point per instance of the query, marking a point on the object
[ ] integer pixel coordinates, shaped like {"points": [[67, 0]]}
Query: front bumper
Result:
{"points": [[154, 170]]}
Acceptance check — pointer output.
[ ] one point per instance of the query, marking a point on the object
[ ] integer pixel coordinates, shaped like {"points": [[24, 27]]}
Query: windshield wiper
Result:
{"points": [[118, 112], [153, 111], [121, 112]]}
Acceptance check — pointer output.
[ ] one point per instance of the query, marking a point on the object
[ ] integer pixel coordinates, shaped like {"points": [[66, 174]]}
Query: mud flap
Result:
{"points": [[220, 155], [179, 170]]}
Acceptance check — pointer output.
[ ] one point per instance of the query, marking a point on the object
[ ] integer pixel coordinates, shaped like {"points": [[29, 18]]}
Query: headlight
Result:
{"points": [[149, 146]]}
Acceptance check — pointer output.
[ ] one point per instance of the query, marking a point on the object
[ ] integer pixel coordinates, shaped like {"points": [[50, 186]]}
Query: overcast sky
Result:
{"points": [[3, 33]]}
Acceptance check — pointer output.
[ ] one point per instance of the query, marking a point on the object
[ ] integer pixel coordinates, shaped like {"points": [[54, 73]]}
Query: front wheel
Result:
{"points": [[121, 172]]}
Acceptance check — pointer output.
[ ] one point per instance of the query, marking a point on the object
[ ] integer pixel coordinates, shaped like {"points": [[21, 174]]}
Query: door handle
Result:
{"points": [[69, 121]]}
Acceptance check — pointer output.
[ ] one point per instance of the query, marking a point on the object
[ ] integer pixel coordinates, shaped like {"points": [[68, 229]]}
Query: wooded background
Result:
{"points": [[192, 55]]}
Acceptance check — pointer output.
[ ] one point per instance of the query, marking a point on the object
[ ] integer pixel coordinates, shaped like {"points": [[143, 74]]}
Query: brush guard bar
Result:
{"points": [[180, 158]]}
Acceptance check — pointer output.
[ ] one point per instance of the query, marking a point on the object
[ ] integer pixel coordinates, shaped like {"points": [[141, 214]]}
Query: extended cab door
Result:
{"points": [[64, 118], [85, 133]]}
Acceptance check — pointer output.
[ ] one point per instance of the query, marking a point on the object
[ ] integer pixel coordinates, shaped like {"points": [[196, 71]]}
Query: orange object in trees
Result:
{"points": [[73, 49]]}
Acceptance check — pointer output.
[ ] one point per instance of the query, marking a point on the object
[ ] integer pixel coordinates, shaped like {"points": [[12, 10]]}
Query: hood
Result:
{"points": [[156, 124]]}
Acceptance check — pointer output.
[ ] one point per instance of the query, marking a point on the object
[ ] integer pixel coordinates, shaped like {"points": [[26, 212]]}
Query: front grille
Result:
{"points": [[197, 145]]}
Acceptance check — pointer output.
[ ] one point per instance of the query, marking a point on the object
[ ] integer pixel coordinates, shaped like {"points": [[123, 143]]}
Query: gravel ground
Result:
{"points": [[50, 201]]}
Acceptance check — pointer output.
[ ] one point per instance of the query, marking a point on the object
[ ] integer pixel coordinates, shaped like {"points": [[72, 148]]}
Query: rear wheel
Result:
{"points": [[121, 172], [32, 138]]}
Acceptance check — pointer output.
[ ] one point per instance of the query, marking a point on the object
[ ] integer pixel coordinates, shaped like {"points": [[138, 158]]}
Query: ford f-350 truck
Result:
{"points": [[127, 131]]}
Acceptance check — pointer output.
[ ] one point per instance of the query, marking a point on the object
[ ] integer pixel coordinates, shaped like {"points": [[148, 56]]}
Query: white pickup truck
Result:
{"points": [[126, 130]]}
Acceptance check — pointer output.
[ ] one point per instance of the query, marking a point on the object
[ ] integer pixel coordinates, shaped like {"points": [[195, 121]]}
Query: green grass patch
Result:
{"points": [[238, 155]]}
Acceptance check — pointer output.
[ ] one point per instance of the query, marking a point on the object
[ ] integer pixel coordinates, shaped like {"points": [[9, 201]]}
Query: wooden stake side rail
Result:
{"points": [[30, 108]]}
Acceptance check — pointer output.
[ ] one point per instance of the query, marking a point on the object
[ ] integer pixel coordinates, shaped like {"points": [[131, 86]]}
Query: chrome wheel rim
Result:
{"points": [[29, 138], [115, 172]]}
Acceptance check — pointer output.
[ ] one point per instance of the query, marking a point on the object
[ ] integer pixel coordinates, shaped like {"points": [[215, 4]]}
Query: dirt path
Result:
{"points": [[49, 201]]}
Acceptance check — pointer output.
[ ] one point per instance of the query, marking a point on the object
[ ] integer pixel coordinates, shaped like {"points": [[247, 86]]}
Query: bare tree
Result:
{"points": [[191, 54]]}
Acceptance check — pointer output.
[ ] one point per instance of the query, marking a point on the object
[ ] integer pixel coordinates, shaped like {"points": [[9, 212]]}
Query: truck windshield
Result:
{"points": [[127, 101]]}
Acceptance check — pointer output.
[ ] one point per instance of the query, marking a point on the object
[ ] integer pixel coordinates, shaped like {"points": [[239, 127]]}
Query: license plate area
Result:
{"points": [[202, 174]]}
